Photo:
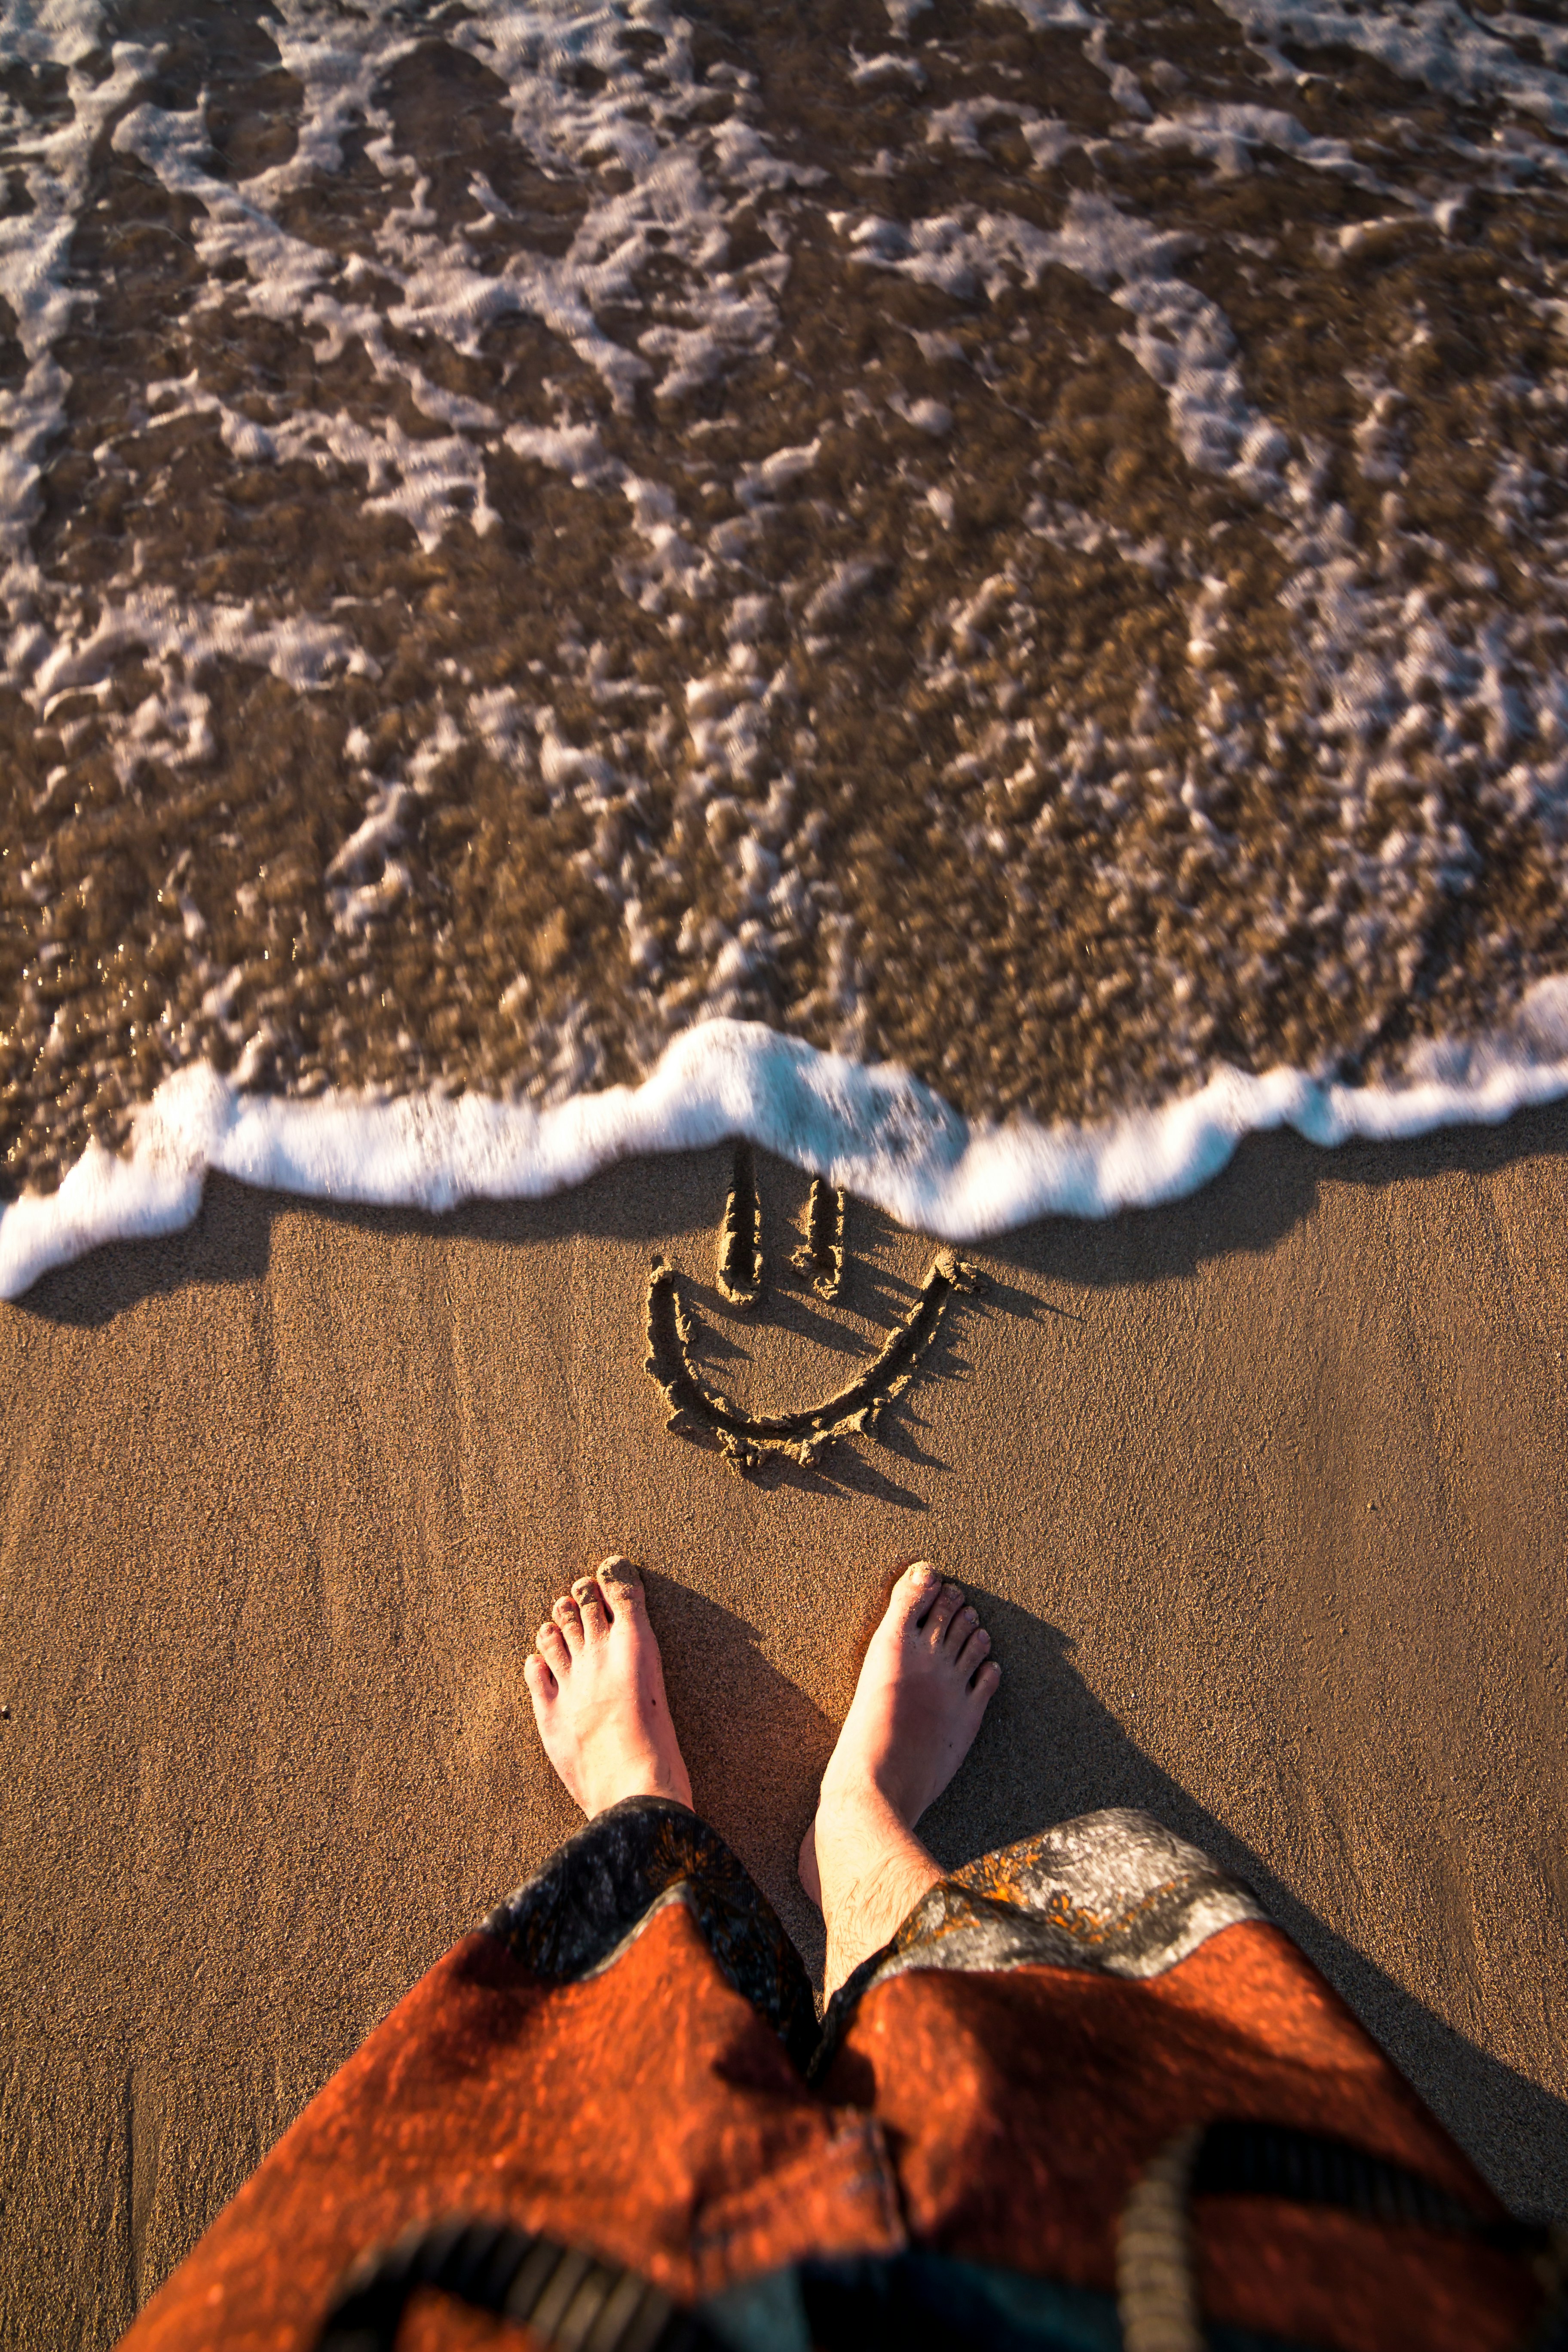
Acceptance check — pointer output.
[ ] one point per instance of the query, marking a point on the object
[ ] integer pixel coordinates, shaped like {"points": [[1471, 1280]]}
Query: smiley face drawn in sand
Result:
{"points": [[745, 1439]]}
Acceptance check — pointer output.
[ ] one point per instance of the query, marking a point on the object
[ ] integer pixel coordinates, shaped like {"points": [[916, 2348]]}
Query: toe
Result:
{"points": [[620, 1582], [542, 1686], [943, 1610], [551, 1644], [987, 1682], [971, 1652], [568, 1617], [912, 1595], [961, 1625], [590, 1608]]}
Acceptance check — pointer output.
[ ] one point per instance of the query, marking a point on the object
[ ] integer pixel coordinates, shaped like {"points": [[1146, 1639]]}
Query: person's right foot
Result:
{"points": [[927, 1680]]}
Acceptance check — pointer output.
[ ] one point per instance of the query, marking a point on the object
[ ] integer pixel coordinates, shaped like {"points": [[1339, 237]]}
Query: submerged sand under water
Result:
{"points": [[1027, 539]]}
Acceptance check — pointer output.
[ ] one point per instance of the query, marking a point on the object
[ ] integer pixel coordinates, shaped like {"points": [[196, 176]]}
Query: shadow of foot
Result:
{"points": [[754, 1745], [1049, 1749]]}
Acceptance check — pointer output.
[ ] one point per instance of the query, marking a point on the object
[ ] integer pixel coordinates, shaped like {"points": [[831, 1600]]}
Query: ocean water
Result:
{"points": [[974, 588]]}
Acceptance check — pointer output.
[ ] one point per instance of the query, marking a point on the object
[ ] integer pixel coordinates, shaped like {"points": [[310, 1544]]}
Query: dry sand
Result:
{"points": [[1262, 1494]]}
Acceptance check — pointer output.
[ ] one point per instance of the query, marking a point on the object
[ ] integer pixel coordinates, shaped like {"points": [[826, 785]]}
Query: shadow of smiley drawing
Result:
{"points": [[744, 1438]]}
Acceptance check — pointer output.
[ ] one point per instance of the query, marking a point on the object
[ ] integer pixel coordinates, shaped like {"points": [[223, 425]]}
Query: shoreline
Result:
{"points": [[875, 1132]]}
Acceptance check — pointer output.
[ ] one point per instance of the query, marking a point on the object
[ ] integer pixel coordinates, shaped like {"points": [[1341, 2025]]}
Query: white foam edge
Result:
{"points": [[875, 1131]]}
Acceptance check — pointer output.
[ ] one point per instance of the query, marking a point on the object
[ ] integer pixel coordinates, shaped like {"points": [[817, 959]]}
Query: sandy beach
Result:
{"points": [[1260, 1492], [974, 595]]}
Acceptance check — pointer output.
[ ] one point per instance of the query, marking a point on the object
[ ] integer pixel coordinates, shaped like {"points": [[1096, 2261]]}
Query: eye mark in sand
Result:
{"points": [[740, 1272], [745, 1439], [820, 1256]]}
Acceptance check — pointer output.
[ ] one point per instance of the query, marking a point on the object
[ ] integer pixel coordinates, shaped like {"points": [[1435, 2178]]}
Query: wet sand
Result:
{"points": [[1261, 1494]]}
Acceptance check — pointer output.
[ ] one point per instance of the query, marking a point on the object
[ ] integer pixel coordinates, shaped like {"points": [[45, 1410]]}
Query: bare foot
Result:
{"points": [[927, 1680], [598, 1687]]}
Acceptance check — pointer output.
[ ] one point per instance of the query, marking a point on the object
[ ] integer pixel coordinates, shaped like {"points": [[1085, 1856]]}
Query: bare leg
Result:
{"points": [[927, 1680], [598, 1687]]}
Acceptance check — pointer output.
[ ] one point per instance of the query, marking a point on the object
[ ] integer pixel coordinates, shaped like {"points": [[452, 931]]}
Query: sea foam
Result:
{"points": [[875, 1131]]}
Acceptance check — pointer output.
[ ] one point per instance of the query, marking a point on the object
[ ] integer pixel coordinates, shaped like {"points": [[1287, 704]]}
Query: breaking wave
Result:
{"points": [[876, 1132]]}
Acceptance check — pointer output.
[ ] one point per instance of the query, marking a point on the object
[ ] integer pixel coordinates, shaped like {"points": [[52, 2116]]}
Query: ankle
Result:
{"points": [[649, 1774], [865, 1915], [873, 1871], [857, 1793]]}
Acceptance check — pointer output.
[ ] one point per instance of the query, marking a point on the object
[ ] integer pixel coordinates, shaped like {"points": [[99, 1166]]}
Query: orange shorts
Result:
{"points": [[626, 2058]]}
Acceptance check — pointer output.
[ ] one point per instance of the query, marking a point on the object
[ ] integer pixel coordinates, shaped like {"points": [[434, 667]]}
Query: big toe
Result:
{"points": [[620, 1580], [910, 1602]]}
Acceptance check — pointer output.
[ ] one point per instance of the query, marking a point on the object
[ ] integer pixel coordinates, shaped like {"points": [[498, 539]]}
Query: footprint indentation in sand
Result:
{"points": [[745, 1438]]}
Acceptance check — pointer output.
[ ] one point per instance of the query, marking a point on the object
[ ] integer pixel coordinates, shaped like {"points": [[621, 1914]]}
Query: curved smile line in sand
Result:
{"points": [[746, 1438]]}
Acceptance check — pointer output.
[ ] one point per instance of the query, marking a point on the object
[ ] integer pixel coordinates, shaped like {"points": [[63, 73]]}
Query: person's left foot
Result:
{"points": [[597, 1686]]}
